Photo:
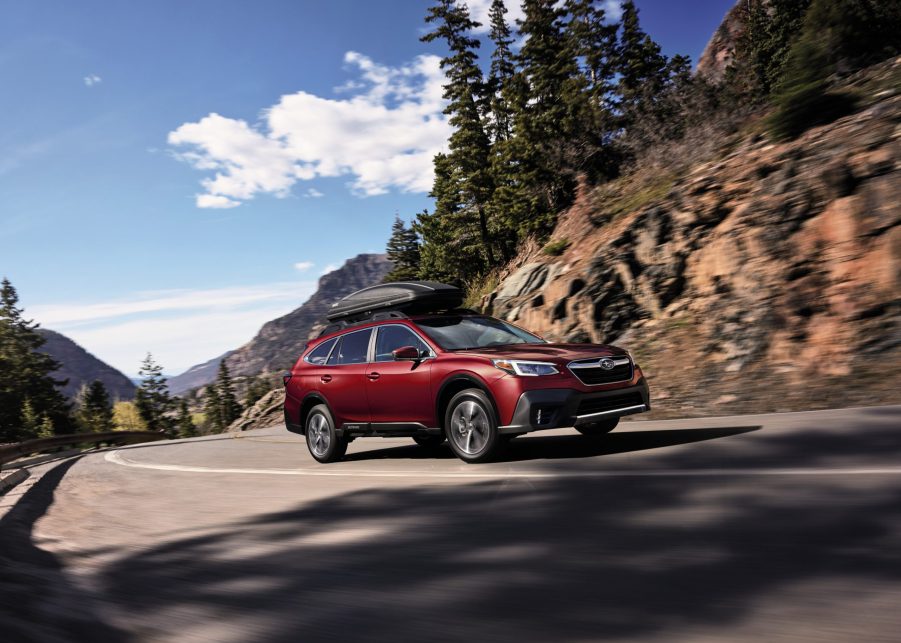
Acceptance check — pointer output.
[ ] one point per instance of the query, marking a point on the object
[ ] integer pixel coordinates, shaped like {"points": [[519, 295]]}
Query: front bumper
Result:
{"points": [[542, 409]]}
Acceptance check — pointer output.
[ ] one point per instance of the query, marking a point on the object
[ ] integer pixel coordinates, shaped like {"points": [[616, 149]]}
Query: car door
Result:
{"points": [[343, 380], [400, 391]]}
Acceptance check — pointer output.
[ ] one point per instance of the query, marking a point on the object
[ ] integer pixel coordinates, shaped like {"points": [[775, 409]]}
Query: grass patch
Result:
{"points": [[626, 196], [556, 248], [478, 287]]}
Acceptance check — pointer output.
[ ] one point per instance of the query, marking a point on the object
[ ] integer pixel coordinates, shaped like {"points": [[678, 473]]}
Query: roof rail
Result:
{"points": [[382, 315]]}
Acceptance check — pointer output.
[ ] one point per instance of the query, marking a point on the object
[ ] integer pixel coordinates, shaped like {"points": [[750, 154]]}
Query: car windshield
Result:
{"points": [[461, 333]]}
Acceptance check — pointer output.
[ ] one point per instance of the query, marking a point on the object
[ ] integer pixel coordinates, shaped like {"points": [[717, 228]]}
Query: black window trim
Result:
{"points": [[306, 357], [369, 348], [432, 354]]}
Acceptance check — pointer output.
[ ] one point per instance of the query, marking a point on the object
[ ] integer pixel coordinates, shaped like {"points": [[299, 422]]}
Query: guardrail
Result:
{"points": [[15, 451]]}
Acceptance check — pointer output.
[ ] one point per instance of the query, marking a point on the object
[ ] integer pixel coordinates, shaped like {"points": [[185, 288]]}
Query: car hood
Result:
{"points": [[545, 352]]}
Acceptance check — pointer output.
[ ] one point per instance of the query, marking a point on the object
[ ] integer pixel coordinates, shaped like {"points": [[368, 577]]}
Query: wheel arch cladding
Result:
{"points": [[454, 385], [309, 401]]}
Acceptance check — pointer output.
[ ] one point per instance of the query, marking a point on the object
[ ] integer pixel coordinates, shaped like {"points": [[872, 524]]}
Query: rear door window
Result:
{"points": [[352, 348], [320, 353]]}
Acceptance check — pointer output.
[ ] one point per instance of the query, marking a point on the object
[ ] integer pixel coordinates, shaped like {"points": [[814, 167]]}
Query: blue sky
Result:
{"points": [[175, 173]]}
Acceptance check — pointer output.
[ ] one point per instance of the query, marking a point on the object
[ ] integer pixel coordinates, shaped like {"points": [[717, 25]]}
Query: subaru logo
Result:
{"points": [[607, 364]]}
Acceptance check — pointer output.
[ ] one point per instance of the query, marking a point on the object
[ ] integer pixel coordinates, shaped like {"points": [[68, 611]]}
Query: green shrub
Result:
{"points": [[806, 106], [556, 248]]}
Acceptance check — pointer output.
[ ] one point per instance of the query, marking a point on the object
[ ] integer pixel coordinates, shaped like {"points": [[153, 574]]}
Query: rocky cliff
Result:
{"points": [[720, 48], [768, 279], [80, 367], [281, 340]]}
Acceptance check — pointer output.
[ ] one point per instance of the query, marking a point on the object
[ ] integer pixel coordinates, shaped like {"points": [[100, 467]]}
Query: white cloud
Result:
{"points": [[180, 327], [91, 80], [313, 193], [329, 268], [303, 265], [383, 135], [216, 201], [613, 10], [478, 11]]}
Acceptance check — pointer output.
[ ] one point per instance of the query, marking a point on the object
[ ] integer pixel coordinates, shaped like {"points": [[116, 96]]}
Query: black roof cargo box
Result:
{"points": [[406, 296]]}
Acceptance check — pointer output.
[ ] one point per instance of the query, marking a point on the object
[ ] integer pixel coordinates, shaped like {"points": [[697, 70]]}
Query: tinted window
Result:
{"points": [[458, 333], [320, 353], [352, 348], [393, 337]]}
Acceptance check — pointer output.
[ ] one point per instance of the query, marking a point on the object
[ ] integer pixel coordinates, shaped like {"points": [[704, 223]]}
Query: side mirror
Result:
{"points": [[406, 352]]}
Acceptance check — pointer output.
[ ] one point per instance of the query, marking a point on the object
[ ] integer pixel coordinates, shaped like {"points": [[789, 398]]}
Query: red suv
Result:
{"points": [[468, 378]]}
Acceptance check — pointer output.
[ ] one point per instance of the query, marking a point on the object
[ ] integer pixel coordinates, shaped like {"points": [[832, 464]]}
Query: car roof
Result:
{"points": [[390, 317]]}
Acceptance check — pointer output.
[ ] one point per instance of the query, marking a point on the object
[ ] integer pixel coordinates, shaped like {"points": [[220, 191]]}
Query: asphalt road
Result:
{"points": [[758, 528]]}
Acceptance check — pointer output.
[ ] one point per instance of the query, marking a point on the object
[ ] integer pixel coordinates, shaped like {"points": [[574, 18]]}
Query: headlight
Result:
{"points": [[526, 369]]}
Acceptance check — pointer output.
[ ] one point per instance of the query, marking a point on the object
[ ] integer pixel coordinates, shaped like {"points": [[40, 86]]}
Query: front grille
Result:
{"points": [[590, 371], [609, 403]]}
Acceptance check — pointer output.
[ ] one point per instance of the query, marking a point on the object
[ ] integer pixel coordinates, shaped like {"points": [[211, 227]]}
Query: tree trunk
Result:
{"points": [[483, 227]]}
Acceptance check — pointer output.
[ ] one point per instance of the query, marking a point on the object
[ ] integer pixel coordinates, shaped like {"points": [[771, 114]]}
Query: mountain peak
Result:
{"points": [[280, 341]]}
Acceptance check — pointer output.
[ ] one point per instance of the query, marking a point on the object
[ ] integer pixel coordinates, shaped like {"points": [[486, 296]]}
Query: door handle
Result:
{"points": [[373, 376], [325, 379]]}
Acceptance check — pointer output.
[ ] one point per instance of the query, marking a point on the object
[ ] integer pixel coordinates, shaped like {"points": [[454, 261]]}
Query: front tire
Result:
{"points": [[595, 429], [322, 439], [471, 426]]}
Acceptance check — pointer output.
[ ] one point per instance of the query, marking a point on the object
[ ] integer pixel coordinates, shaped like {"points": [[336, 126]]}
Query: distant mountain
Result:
{"points": [[80, 367], [195, 376], [281, 340]]}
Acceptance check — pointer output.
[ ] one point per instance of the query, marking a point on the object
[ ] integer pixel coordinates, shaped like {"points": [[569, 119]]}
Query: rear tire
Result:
{"points": [[595, 429], [471, 426], [428, 440], [322, 439]]}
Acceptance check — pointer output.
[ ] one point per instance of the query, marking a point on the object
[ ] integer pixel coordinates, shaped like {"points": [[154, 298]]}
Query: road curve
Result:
{"points": [[783, 527]]}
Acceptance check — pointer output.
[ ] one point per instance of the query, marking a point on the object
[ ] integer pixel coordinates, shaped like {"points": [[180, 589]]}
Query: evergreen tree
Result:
{"points": [[212, 410], [27, 387], [403, 251], [469, 145], [229, 409], [549, 123], [641, 66], [95, 413], [256, 389], [152, 397], [185, 423], [837, 36], [503, 68]]}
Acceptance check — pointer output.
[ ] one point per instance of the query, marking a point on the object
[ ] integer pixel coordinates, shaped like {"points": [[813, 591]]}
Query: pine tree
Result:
{"points": [[95, 413], [256, 389], [229, 409], [26, 382], [212, 410], [550, 118], [152, 397], [503, 68], [185, 423], [403, 251], [469, 146], [641, 66]]}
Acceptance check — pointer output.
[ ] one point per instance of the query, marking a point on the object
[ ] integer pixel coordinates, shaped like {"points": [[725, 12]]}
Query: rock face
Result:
{"points": [[80, 367], [719, 50], [281, 340], [767, 280], [268, 411]]}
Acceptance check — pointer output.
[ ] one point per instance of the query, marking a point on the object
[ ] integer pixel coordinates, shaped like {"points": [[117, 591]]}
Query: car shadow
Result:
{"points": [[561, 447]]}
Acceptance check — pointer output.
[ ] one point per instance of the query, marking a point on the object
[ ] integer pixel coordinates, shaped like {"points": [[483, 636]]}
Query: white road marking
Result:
{"points": [[117, 458]]}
